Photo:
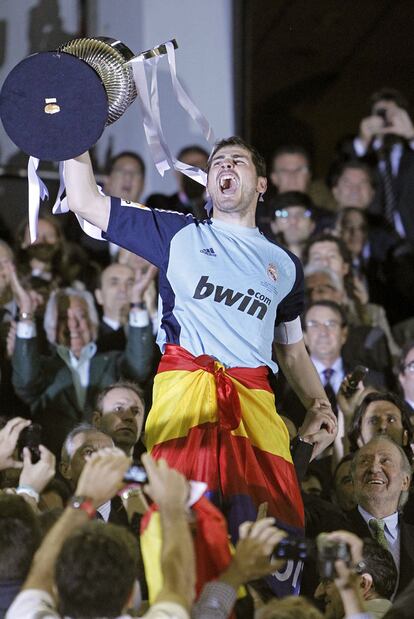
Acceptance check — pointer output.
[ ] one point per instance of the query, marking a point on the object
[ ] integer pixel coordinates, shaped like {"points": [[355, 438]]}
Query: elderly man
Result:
{"points": [[212, 402], [83, 441], [61, 389], [382, 475]]}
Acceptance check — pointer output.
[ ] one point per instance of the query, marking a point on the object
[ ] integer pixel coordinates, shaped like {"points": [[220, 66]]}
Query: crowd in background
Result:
{"points": [[78, 321]]}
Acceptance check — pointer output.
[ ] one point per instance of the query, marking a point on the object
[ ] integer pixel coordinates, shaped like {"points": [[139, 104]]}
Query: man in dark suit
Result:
{"points": [[120, 412], [387, 136], [382, 475], [62, 388], [120, 292], [80, 443], [326, 337]]}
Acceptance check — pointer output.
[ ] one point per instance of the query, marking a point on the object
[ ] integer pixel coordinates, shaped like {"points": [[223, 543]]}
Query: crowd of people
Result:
{"points": [[135, 484]]}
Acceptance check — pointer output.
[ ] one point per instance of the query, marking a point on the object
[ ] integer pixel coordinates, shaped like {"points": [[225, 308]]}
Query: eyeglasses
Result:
{"points": [[331, 325], [285, 214], [409, 367]]}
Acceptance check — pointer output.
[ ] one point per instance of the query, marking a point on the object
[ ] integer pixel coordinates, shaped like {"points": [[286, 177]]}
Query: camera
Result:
{"points": [[30, 437], [330, 551], [136, 474], [295, 548], [325, 552]]}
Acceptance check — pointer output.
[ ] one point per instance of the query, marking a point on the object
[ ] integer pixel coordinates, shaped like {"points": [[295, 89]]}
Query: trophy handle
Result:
{"points": [[159, 50]]}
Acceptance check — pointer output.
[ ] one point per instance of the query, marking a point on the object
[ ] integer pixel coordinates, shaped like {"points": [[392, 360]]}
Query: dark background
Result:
{"points": [[306, 68]]}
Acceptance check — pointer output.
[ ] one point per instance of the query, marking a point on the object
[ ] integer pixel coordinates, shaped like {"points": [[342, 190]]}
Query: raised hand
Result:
{"points": [[8, 440], [38, 475], [102, 475], [166, 487]]}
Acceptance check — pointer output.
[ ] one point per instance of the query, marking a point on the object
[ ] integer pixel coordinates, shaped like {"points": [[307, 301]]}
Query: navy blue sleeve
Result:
{"points": [[293, 304], [142, 230]]}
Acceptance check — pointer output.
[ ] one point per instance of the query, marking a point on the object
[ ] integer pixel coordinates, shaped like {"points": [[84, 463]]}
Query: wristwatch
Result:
{"points": [[138, 305], [83, 503], [26, 316]]}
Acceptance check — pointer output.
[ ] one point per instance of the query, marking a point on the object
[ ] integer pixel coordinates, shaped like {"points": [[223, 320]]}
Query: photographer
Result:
{"points": [[387, 134], [372, 586]]}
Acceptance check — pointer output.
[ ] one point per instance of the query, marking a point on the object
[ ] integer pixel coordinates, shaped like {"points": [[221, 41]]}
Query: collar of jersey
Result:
{"points": [[235, 228]]}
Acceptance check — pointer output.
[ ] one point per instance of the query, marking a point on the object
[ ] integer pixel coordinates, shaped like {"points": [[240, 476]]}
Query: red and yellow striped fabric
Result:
{"points": [[220, 426]]}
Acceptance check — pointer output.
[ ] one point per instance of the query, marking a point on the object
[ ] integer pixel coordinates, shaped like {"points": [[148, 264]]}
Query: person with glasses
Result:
{"points": [[293, 220]]}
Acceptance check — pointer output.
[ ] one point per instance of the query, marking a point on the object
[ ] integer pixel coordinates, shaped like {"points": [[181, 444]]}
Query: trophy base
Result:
{"points": [[53, 106]]}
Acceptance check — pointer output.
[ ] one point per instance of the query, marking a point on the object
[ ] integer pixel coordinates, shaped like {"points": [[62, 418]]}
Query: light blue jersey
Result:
{"points": [[223, 287]]}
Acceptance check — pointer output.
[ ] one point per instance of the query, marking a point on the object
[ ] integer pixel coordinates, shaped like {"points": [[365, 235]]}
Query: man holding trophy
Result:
{"points": [[226, 293]]}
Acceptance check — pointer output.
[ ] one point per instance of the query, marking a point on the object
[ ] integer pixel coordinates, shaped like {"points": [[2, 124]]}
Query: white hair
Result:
{"points": [[68, 448], [51, 313], [311, 269]]}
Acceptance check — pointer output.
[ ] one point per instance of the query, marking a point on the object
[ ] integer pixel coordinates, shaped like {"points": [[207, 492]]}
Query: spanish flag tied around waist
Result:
{"points": [[220, 426]]}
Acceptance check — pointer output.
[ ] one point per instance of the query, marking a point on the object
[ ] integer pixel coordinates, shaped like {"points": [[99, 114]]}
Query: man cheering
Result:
{"points": [[223, 288]]}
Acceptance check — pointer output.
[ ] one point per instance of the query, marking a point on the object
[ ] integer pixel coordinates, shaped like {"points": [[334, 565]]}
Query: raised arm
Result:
{"points": [[83, 196]]}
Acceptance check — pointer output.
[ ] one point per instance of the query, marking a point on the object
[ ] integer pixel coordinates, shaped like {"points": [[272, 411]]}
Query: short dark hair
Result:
{"points": [[291, 149], [193, 148], [380, 565], [335, 307], [120, 384], [258, 160], [292, 198], [389, 94], [352, 164], [19, 537], [322, 238], [348, 458], [95, 571], [126, 153], [380, 396]]}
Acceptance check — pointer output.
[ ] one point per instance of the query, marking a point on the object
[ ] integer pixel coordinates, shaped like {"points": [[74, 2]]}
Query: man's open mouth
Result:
{"points": [[228, 183]]}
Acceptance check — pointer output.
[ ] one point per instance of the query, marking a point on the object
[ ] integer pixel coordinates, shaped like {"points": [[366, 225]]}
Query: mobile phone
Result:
{"points": [[358, 373], [30, 437], [136, 474]]}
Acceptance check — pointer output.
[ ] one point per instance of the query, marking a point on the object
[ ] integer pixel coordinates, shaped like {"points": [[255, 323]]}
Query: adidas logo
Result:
{"points": [[208, 252]]}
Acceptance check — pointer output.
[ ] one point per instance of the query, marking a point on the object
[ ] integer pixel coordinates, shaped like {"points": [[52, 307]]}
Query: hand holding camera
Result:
{"points": [[37, 474], [9, 436]]}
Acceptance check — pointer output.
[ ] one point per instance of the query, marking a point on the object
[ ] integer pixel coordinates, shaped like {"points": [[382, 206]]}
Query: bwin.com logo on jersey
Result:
{"points": [[251, 302]]}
